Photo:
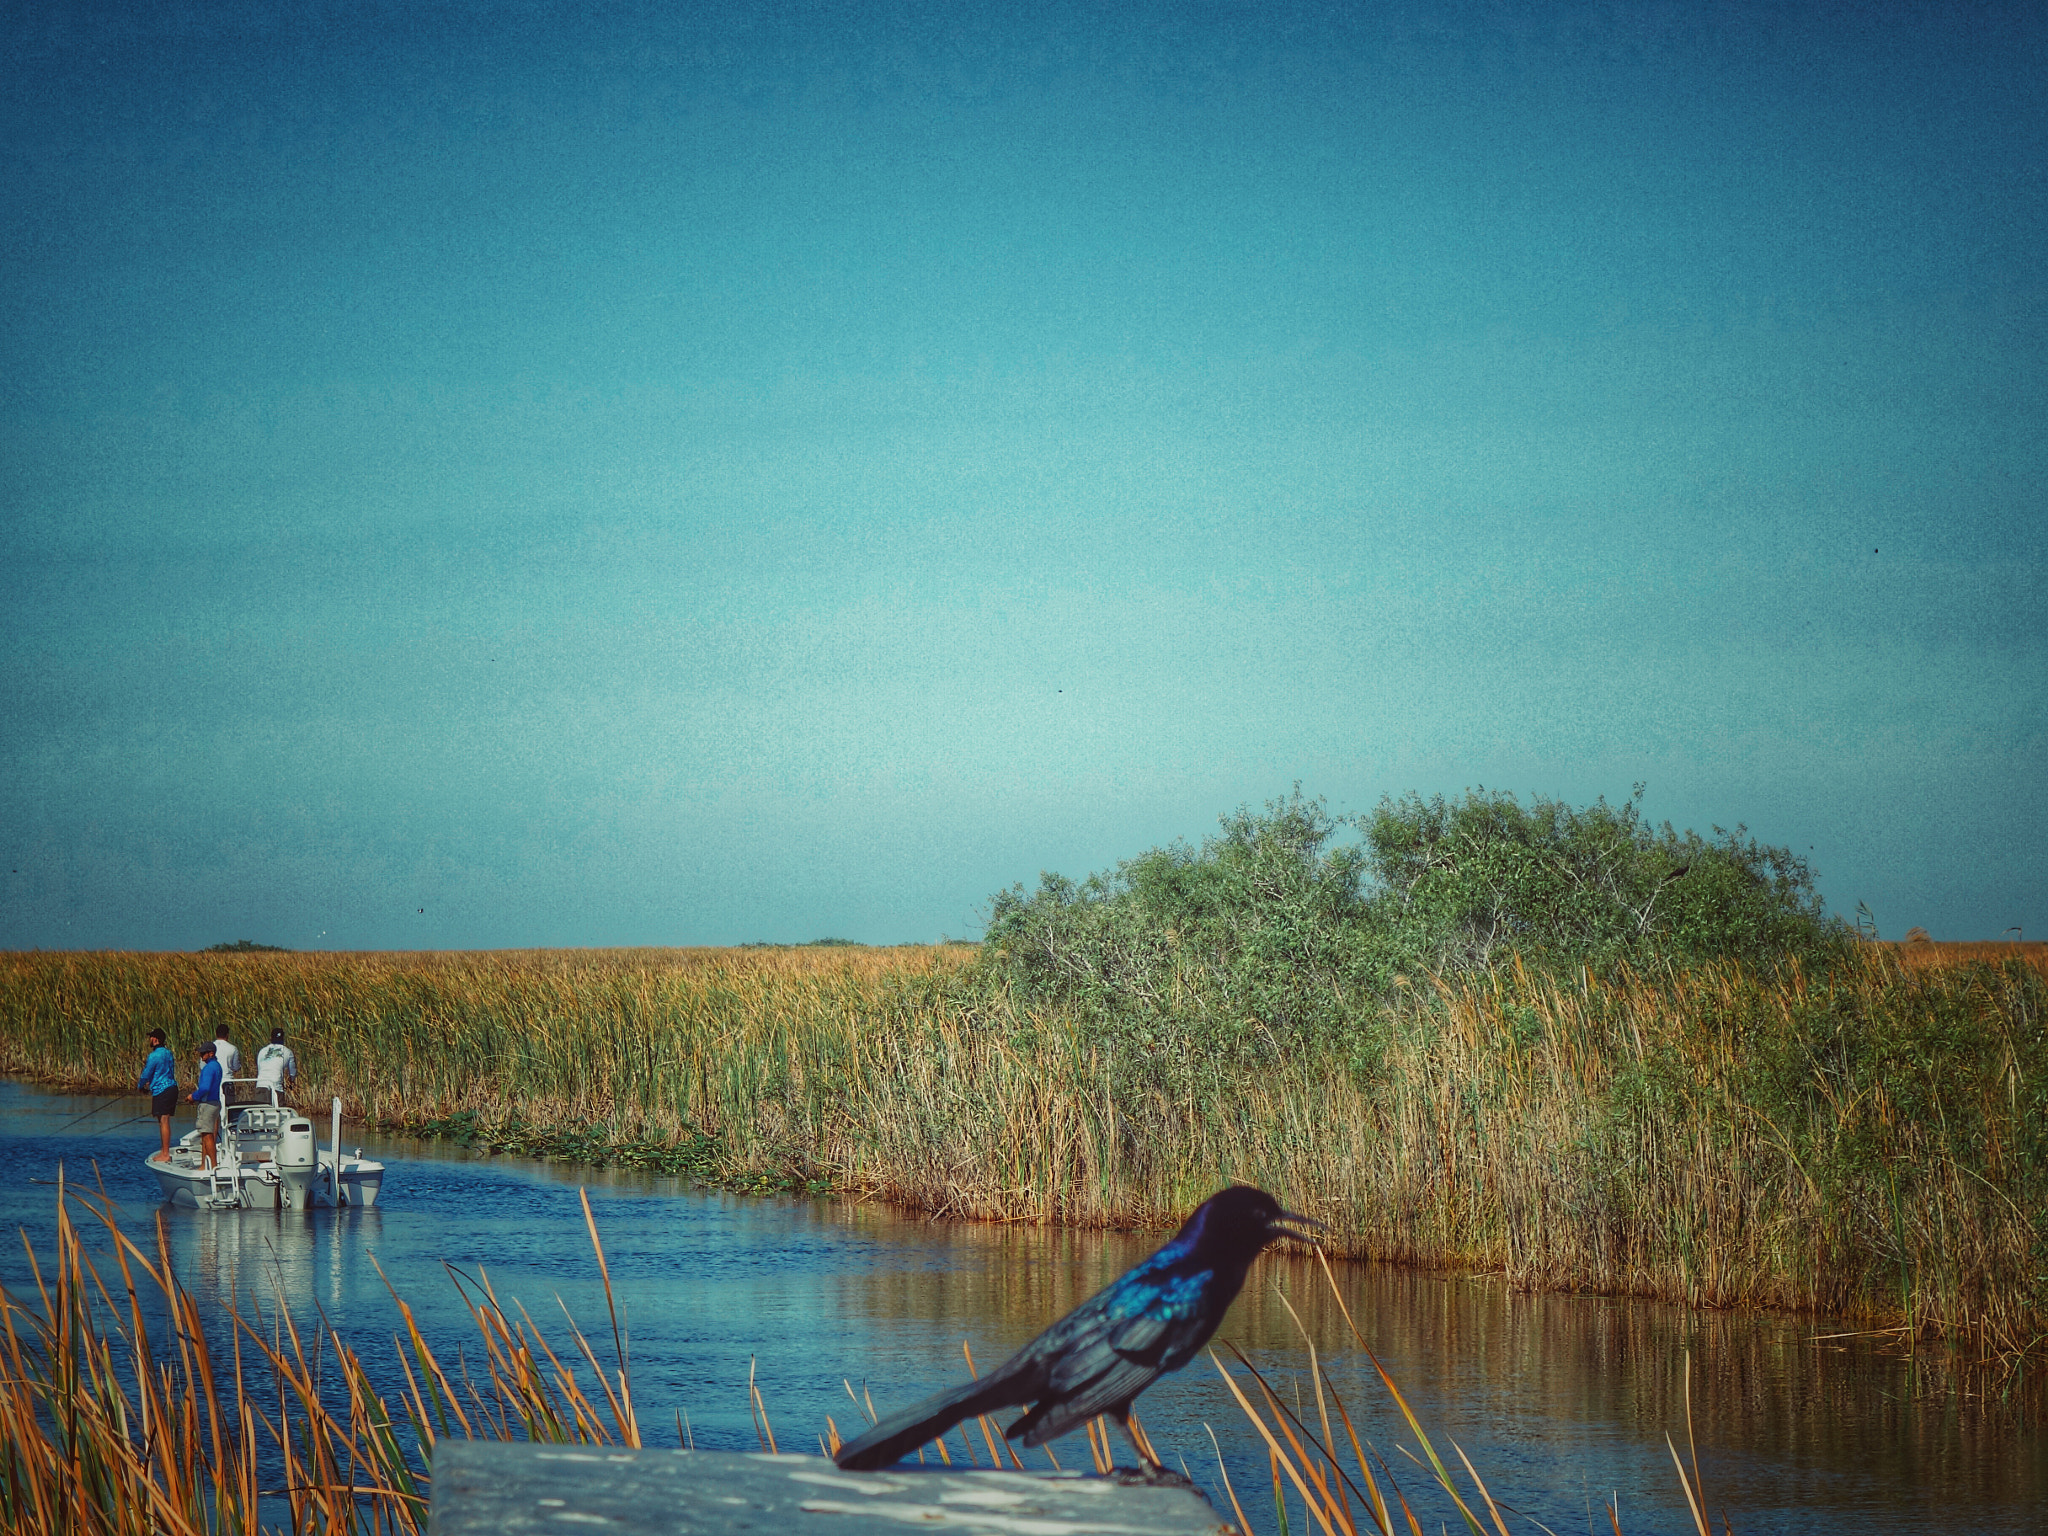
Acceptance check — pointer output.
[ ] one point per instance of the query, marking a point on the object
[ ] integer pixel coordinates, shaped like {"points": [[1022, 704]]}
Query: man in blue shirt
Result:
{"points": [[160, 1081], [207, 1097]]}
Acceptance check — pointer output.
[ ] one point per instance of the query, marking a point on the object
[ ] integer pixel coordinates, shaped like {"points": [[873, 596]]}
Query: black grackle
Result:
{"points": [[1100, 1356]]}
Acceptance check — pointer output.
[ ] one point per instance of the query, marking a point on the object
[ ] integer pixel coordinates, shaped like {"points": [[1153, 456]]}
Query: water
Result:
{"points": [[1558, 1400]]}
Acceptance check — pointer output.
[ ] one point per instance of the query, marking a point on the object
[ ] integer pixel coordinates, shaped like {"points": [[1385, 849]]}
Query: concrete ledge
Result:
{"points": [[482, 1488]]}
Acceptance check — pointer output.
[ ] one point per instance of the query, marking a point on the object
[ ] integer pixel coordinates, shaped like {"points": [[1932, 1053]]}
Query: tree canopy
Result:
{"points": [[1281, 920]]}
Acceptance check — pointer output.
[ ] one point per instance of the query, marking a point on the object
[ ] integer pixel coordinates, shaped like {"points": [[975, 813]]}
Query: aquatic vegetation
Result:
{"points": [[120, 1417], [110, 1426], [1868, 1141]]}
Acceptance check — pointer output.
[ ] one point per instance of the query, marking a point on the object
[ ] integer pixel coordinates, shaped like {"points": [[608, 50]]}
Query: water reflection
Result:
{"points": [[265, 1256], [1557, 1399]]}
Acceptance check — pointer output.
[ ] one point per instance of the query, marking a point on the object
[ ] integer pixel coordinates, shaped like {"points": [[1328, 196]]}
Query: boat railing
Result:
{"points": [[258, 1118]]}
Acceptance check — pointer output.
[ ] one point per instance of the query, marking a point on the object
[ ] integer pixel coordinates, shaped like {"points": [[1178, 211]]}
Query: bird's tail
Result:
{"points": [[897, 1436]]}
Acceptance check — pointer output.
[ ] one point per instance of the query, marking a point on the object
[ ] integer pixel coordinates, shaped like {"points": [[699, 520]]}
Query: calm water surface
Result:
{"points": [[1558, 1400]]}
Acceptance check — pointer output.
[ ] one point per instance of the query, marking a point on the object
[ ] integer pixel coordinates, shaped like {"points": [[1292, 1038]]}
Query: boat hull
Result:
{"points": [[249, 1187], [268, 1160]]}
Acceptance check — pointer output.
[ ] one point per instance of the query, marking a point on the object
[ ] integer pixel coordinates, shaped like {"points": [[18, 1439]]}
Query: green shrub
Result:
{"points": [[1255, 935], [1274, 932], [1462, 881]]}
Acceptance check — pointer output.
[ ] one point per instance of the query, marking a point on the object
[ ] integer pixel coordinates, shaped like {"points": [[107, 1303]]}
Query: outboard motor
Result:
{"points": [[296, 1160]]}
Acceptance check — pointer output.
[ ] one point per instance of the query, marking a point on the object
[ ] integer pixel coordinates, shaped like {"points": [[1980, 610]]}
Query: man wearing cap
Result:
{"points": [[276, 1066], [206, 1096], [160, 1081]]}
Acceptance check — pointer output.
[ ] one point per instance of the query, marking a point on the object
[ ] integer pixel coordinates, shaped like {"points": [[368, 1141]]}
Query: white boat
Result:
{"points": [[267, 1159]]}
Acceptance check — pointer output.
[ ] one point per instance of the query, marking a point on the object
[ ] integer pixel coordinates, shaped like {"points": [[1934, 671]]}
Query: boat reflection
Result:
{"points": [[302, 1258]]}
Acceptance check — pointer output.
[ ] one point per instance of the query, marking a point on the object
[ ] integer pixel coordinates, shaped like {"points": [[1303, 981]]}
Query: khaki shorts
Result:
{"points": [[209, 1116]]}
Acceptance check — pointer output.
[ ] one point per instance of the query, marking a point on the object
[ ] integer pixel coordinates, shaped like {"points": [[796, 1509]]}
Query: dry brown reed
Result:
{"points": [[1621, 1138], [1694, 1135], [109, 1429], [1968, 952], [1306, 1449]]}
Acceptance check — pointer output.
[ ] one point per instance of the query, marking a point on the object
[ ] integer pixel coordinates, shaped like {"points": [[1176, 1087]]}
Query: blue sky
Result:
{"points": [[537, 474]]}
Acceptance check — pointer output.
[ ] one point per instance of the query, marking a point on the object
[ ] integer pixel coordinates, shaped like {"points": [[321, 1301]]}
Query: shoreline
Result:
{"points": [[1713, 1138], [697, 1162]]}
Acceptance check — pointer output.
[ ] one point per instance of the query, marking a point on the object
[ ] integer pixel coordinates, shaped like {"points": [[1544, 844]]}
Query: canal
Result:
{"points": [[1559, 1401]]}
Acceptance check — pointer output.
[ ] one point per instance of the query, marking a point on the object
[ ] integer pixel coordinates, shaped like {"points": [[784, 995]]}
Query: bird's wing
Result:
{"points": [[1137, 1341], [1141, 1338], [1096, 1373], [1113, 1386]]}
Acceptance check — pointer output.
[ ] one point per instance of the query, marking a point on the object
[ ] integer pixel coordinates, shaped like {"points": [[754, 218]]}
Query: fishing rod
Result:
{"points": [[132, 1119], [117, 1098]]}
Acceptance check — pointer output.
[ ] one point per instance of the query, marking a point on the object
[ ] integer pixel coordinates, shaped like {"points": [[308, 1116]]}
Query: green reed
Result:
{"points": [[1871, 1143]]}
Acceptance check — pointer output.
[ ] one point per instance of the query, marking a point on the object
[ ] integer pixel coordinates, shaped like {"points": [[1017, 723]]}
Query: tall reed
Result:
{"points": [[111, 1428], [1307, 1450], [1872, 1143]]}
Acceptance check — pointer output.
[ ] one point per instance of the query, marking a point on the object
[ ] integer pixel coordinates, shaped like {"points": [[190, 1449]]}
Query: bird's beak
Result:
{"points": [[1279, 1227]]}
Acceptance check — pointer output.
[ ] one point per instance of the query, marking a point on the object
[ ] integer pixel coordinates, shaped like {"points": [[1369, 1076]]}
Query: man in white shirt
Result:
{"points": [[276, 1066], [230, 1061]]}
